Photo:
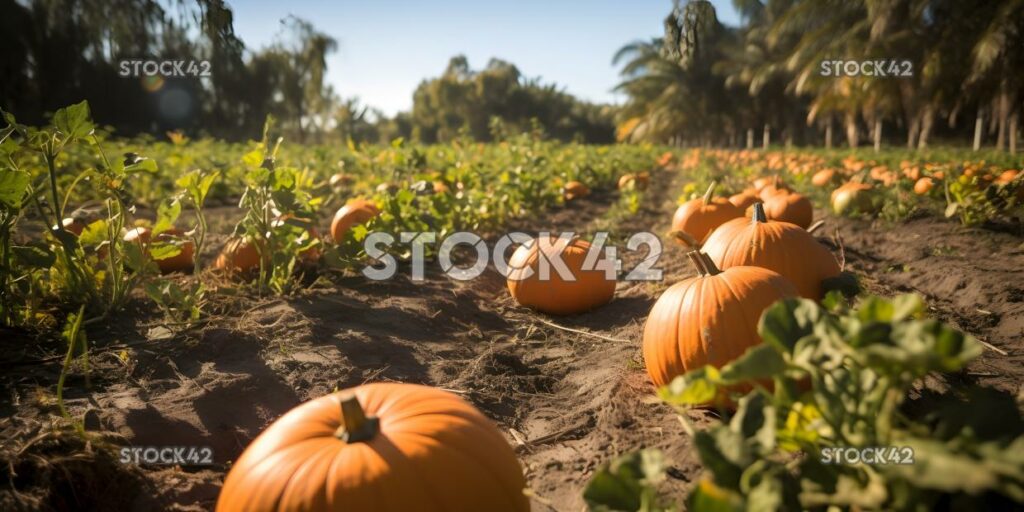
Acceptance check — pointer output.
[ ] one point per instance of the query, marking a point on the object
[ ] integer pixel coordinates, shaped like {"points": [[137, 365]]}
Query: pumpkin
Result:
{"points": [[340, 180], [923, 186], [73, 225], [773, 189], [779, 246], [699, 217], [638, 181], [823, 177], [793, 208], [762, 182], [555, 295], [1004, 178], [744, 200], [382, 447], [574, 190], [852, 197], [357, 211], [238, 255], [440, 187], [708, 319], [179, 262]]}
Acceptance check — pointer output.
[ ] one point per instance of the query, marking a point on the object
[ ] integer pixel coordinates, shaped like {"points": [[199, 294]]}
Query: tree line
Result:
{"points": [[59, 52], [773, 78]]}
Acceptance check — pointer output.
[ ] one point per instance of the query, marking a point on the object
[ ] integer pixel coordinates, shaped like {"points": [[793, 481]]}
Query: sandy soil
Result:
{"points": [[567, 401]]}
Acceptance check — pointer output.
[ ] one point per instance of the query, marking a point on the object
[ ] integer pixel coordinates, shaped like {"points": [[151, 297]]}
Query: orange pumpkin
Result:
{"points": [[238, 255], [1004, 178], [555, 295], [778, 246], [744, 200], [823, 177], [699, 217], [73, 225], [440, 187], [574, 190], [357, 211], [638, 181], [708, 319], [923, 186], [762, 182], [179, 262], [383, 447], [793, 208], [775, 188]]}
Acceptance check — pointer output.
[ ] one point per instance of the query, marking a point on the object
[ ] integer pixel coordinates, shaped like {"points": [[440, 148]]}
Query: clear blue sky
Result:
{"points": [[386, 47]]}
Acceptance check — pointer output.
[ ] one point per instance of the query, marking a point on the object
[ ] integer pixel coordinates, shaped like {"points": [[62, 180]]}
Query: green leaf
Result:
{"points": [[166, 215], [697, 387], [94, 234], [163, 250], [708, 497], [73, 121], [627, 482], [759, 362], [13, 186], [34, 256], [784, 323]]}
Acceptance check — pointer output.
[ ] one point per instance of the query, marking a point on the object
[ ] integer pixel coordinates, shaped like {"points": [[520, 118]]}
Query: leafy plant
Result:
{"points": [[840, 378]]}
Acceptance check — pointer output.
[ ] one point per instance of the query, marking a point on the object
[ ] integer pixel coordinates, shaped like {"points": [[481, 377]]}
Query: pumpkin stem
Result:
{"points": [[705, 267], [711, 192], [759, 215], [684, 238], [356, 426]]}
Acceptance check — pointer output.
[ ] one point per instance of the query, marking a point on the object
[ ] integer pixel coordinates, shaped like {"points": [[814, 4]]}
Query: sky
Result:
{"points": [[387, 47]]}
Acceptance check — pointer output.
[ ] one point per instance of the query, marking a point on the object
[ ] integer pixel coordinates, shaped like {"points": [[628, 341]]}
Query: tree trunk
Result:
{"points": [[878, 134], [978, 124], [927, 120], [1004, 113], [750, 138], [828, 133], [850, 120], [1013, 133], [913, 130], [766, 137]]}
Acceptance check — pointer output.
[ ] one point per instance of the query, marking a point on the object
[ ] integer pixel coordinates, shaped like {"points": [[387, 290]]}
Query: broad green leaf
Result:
{"points": [[787, 321], [166, 215], [13, 186], [758, 362], [163, 250], [697, 387], [627, 482], [94, 234], [73, 121], [708, 497]]}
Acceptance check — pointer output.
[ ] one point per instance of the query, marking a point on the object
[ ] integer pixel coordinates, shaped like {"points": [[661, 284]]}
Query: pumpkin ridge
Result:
{"points": [[743, 311]]}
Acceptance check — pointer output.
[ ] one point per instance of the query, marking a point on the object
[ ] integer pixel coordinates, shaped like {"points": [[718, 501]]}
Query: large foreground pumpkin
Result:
{"points": [[357, 211], [708, 319], [778, 246], [699, 217], [384, 447], [557, 296]]}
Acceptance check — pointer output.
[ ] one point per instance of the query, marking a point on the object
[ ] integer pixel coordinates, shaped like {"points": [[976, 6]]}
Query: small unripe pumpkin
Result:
{"points": [[778, 246], [238, 255], [793, 208], [180, 262], [355, 212], [557, 296], [708, 319], [852, 197], [384, 447], [699, 217]]}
